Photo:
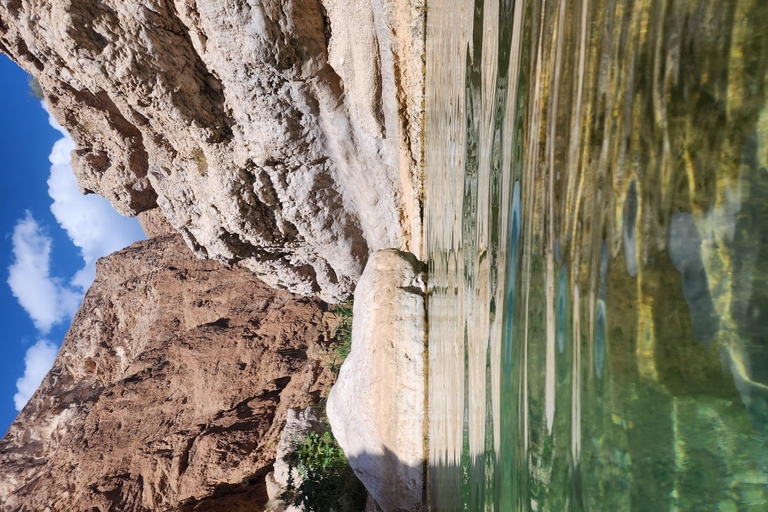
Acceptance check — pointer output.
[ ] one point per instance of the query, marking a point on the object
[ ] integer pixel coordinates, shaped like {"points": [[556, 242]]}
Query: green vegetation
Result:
{"points": [[34, 88], [341, 340], [201, 161], [327, 481]]}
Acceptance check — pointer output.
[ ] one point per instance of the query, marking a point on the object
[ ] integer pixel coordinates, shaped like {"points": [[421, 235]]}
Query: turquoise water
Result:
{"points": [[597, 235]]}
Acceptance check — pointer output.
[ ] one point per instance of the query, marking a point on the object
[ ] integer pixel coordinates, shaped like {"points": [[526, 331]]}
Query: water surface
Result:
{"points": [[597, 235]]}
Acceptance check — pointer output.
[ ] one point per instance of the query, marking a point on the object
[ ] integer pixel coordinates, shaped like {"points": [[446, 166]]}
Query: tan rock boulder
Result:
{"points": [[154, 223], [376, 408]]}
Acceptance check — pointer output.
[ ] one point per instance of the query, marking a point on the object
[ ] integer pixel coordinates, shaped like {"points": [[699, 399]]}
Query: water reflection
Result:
{"points": [[597, 232]]}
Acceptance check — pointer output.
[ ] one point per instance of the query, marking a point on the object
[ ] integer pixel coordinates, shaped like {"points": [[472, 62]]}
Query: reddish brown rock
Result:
{"points": [[170, 390], [154, 223]]}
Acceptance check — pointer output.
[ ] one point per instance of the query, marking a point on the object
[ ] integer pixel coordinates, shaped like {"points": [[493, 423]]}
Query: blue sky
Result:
{"points": [[51, 237]]}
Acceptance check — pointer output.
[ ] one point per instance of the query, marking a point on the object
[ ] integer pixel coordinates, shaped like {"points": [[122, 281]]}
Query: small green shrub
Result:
{"points": [[341, 342], [201, 161], [34, 88], [327, 481]]}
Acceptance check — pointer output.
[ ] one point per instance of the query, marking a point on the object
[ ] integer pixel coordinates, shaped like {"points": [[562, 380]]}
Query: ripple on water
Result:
{"points": [[596, 223]]}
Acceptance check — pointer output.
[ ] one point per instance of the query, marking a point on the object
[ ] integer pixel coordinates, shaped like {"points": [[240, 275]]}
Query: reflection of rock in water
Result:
{"points": [[600, 320], [720, 254], [600, 338], [746, 249], [630, 229], [641, 168], [685, 253], [562, 290]]}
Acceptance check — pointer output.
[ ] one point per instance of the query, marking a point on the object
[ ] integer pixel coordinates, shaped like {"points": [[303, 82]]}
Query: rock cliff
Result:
{"points": [[170, 390], [281, 134]]}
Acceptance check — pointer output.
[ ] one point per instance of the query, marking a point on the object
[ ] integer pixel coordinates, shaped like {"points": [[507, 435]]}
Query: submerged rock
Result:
{"points": [[284, 135], [170, 390], [376, 408]]}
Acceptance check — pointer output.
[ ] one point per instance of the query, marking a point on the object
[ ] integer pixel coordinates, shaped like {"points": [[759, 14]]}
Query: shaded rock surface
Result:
{"points": [[376, 408], [154, 223], [170, 390], [282, 134]]}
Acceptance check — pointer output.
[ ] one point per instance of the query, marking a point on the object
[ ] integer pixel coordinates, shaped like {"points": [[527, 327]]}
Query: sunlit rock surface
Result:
{"points": [[285, 135], [170, 391], [376, 408]]}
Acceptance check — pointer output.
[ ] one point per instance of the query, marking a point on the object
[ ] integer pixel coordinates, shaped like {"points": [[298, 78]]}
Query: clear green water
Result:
{"points": [[597, 234]]}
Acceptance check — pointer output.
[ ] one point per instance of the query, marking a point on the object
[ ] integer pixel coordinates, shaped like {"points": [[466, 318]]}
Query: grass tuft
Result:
{"points": [[35, 90], [341, 340]]}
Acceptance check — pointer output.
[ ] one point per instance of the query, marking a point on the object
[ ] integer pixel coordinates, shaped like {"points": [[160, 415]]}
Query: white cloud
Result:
{"points": [[38, 361], [90, 221], [93, 226], [46, 299]]}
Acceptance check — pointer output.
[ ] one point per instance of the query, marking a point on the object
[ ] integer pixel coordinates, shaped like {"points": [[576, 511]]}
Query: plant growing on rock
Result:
{"points": [[35, 90], [326, 481], [341, 341]]}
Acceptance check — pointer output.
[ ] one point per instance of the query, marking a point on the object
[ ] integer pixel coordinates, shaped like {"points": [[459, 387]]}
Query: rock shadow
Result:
{"points": [[393, 484]]}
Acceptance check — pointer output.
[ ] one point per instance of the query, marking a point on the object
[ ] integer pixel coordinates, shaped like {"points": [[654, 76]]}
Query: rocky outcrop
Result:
{"points": [[281, 134], [297, 426], [170, 390], [376, 409]]}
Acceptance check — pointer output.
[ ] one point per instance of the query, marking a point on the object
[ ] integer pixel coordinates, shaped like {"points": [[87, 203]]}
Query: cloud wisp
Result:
{"points": [[93, 226], [46, 299], [38, 361]]}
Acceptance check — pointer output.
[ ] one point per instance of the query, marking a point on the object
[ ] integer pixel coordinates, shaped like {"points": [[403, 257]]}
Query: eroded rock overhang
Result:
{"points": [[282, 135]]}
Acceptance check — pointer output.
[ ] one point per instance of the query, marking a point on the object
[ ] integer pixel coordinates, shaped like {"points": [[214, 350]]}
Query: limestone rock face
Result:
{"points": [[376, 408], [283, 134], [170, 390]]}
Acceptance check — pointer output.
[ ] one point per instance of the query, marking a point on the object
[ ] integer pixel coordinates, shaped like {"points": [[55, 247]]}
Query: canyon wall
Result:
{"points": [[281, 134], [170, 391], [262, 143]]}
